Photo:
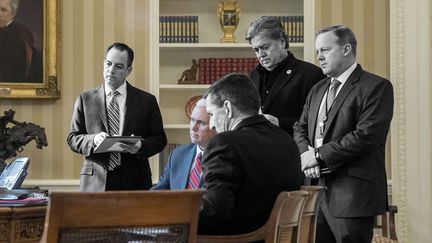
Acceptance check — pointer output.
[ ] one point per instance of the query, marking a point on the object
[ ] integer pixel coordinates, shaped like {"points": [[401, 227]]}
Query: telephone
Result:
{"points": [[14, 174]]}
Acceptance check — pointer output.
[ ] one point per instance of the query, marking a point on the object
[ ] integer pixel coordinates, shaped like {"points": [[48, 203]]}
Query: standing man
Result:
{"points": [[282, 80], [116, 108], [183, 169], [247, 164], [341, 136]]}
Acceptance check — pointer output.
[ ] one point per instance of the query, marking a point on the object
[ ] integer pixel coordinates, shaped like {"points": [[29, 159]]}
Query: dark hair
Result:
{"points": [[344, 35], [237, 88], [267, 26], [122, 47]]}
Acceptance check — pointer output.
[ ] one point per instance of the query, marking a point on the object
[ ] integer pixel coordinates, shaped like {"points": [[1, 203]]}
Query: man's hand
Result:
{"points": [[131, 148], [308, 159], [99, 138], [272, 119], [312, 172]]}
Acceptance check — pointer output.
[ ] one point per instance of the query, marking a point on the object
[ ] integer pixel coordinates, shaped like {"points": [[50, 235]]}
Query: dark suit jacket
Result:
{"points": [[142, 118], [244, 171], [288, 94], [353, 142], [176, 172]]}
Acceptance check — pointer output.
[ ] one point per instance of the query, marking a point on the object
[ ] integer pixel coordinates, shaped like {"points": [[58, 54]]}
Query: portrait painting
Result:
{"points": [[29, 48]]}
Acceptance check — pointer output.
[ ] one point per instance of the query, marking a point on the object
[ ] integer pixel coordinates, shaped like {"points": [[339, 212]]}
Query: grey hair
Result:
{"points": [[268, 26]]}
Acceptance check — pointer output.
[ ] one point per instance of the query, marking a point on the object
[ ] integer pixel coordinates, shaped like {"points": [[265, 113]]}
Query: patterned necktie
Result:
{"points": [[322, 115], [114, 127], [195, 174]]}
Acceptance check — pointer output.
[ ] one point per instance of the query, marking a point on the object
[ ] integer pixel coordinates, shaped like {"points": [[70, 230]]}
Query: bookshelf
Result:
{"points": [[169, 60]]}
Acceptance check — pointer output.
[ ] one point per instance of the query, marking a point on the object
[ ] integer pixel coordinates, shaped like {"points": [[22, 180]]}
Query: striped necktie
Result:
{"points": [[195, 174], [114, 128]]}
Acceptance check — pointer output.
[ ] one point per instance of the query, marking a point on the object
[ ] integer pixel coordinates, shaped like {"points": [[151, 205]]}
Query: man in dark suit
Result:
{"points": [[341, 136], [247, 164], [183, 159], [282, 80], [137, 113]]}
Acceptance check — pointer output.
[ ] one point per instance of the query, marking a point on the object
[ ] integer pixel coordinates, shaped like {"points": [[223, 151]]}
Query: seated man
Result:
{"points": [[247, 164], [183, 160]]}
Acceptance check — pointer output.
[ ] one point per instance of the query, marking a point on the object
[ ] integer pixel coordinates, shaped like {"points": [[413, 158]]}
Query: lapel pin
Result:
{"points": [[289, 71]]}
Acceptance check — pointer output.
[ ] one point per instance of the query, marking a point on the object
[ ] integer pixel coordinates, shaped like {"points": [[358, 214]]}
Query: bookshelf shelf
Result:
{"points": [[176, 126], [170, 46], [179, 87]]}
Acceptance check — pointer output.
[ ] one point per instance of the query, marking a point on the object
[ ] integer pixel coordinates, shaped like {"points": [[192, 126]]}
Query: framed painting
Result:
{"points": [[29, 49]]}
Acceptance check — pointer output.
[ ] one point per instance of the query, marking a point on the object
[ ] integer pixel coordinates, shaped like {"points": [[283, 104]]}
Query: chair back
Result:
{"points": [[309, 218], [282, 225], [123, 216], [286, 216]]}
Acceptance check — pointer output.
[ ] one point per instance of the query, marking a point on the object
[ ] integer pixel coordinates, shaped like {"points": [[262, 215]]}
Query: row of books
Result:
{"points": [[178, 29], [184, 29], [212, 69], [164, 154], [294, 28]]}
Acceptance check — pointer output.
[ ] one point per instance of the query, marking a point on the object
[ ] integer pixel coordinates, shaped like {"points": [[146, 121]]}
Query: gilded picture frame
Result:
{"points": [[46, 83]]}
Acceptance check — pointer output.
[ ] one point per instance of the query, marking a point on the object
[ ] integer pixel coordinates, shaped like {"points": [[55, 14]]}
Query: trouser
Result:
{"points": [[332, 229]]}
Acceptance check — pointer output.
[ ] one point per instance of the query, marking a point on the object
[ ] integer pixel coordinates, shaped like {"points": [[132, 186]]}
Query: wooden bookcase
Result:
{"points": [[169, 60]]}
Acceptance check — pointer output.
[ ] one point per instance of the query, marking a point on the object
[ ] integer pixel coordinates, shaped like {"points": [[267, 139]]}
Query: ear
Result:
{"points": [[283, 44], [228, 108], [347, 49], [129, 70]]}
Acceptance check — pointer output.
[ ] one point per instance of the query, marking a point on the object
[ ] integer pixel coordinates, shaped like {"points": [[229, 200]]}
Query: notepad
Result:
{"points": [[113, 143]]}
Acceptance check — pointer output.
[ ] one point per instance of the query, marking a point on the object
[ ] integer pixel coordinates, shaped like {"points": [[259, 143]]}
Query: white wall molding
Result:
{"points": [[53, 185], [410, 49]]}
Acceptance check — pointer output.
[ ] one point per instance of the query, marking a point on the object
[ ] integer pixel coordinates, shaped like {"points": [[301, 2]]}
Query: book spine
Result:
{"points": [[201, 63], [212, 70]]}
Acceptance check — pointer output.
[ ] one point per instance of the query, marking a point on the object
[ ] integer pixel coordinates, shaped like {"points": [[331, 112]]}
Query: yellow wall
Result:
{"points": [[88, 27]]}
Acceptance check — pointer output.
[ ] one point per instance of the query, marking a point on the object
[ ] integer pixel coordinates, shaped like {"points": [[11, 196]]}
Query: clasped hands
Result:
{"points": [[126, 147], [309, 164]]}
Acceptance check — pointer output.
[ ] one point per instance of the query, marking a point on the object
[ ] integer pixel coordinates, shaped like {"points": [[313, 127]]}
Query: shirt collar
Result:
{"points": [[198, 150], [345, 75], [121, 89]]}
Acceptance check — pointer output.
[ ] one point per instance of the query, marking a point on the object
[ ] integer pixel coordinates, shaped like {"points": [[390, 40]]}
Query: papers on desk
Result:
{"points": [[113, 143], [23, 197], [24, 202]]}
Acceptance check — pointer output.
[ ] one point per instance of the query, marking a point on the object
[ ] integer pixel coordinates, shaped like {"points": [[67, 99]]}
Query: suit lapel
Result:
{"points": [[131, 101], [187, 166], [100, 103], [314, 108], [343, 94]]}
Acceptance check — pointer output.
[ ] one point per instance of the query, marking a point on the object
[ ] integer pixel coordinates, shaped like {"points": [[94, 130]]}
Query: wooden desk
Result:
{"points": [[21, 224]]}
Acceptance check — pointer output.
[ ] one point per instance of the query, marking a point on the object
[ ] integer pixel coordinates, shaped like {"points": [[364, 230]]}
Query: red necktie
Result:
{"points": [[195, 174]]}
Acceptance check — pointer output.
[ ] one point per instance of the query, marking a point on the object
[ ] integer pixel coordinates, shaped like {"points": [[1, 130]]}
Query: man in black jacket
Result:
{"points": [[247, 164], [282, 80]]}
